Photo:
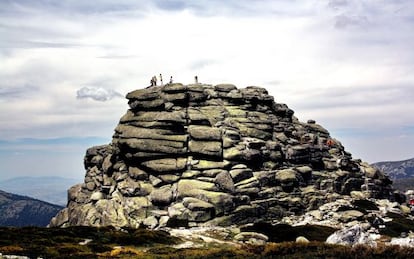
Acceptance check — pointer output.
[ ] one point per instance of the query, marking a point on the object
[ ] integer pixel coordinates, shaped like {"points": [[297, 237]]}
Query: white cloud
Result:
{"points": [[337, 4], [347, 64], [97, 93], [343, 21]]}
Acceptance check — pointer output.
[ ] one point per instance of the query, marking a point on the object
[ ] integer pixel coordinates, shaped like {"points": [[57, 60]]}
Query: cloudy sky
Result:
{"points": [[66, 65]]}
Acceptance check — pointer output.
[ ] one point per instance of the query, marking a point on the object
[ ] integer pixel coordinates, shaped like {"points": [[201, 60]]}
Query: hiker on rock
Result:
{"points": [[154, 81], [330, 142], [196, 79], [171, 80], [161, 80]]}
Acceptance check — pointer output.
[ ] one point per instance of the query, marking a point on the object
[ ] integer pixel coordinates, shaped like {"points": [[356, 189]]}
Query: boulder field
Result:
{"points": [[204, 155]]}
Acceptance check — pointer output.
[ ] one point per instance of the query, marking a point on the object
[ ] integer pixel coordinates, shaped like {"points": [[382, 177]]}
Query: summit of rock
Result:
{"points": [[191, 155]]}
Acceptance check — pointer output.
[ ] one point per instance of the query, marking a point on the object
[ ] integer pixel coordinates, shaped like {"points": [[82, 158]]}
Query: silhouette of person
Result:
{"points": [[155, 80]]}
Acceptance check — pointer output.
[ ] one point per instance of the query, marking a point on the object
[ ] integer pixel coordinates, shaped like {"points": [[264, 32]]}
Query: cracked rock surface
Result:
{"points": [[204, 155]]}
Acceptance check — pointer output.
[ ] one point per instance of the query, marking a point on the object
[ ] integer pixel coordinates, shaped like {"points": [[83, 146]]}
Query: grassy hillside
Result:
{"points": [[19, 210]]}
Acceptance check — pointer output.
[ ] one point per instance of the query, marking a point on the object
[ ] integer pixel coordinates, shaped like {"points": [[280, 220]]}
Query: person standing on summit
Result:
{"points": [[161, 80], [155, 81]]}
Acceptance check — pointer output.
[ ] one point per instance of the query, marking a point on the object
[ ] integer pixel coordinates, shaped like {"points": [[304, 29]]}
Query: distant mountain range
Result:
{"points": [[17, 210], [401, 172], [50, 189], [397, 169]]}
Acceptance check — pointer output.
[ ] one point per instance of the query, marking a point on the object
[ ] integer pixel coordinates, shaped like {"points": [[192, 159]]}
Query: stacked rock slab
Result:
{"points": [[213, 155]]}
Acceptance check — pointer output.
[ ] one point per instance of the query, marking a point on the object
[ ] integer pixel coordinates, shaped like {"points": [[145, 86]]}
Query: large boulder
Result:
{"points": [[355, 235], [217, 155]]}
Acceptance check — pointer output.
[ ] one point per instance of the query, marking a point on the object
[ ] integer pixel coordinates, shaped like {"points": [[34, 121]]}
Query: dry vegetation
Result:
{"points": [[139, 243]]}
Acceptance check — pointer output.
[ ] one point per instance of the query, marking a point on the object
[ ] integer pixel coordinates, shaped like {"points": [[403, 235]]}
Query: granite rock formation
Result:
{"points": [[189, 155]]}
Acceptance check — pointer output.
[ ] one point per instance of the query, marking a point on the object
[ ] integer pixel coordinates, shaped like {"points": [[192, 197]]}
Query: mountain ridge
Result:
{"points": [[397, 169], [52, 189], [17, 210]]}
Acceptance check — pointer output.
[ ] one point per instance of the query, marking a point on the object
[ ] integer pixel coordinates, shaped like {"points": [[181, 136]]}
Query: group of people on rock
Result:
{"points": [[153, 81]]}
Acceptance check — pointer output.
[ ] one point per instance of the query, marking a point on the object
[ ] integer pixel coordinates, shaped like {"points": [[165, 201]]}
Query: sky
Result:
{"points": [[66, 66]]}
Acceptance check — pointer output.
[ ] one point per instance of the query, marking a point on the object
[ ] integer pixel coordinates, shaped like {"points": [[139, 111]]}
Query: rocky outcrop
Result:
{"points": [[188, 155]]}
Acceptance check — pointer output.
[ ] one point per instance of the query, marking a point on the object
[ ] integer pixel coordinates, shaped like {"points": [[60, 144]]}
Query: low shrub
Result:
{"points": [[363, 205], [33, 242], [398, 225], [11, 249], [323, 250]]}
